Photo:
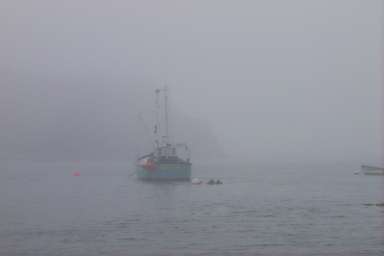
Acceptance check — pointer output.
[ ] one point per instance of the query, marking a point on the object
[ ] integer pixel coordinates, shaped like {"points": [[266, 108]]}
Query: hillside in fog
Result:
{"points": [[57, 117]]}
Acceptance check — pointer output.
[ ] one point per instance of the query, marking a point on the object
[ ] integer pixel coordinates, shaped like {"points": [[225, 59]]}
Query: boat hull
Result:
{"points": [[372, 170], [165, 171]]}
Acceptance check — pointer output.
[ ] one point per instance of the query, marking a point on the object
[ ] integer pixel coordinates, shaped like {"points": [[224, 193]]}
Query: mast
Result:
{"points": [[161, 130], [166, 115], [157, 124]]}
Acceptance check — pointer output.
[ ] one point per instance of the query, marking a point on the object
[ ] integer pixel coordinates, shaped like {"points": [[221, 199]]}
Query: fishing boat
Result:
{"points": [[167, 161], [372, 170]]}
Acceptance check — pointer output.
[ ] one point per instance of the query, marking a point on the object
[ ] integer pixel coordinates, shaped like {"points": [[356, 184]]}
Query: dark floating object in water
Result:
{"points": [[213, 182], [378, 204]]}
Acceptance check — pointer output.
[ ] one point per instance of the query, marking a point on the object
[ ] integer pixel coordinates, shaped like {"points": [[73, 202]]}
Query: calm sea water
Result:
{"points": [[45, 210]]}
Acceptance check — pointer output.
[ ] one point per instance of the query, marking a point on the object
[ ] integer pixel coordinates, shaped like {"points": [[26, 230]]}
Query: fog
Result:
{"points": [[269, 81]]}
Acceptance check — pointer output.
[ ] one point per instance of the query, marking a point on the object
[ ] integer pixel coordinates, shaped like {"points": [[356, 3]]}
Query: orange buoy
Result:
{"points": [[76, 173]]}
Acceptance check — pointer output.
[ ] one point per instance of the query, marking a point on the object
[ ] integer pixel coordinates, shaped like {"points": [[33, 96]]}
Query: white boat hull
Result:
{"points": [[372, 170]]}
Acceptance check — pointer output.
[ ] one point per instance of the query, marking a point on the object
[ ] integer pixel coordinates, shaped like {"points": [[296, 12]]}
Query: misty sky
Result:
{"points": [[275, 79]]}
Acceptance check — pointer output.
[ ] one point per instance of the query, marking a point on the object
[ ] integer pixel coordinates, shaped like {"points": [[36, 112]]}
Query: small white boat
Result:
{"points": [[196, 181], [372, 170]]}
